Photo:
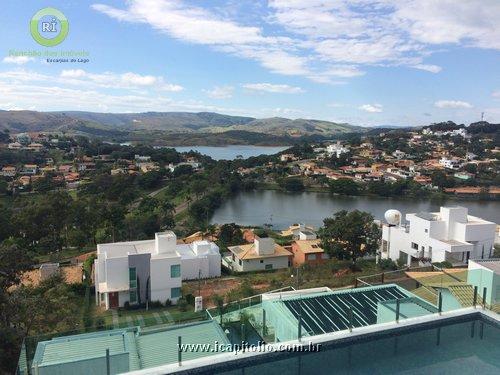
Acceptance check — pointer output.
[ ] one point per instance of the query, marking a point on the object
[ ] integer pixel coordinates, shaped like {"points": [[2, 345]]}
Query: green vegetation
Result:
{"points": [[350, 235]]}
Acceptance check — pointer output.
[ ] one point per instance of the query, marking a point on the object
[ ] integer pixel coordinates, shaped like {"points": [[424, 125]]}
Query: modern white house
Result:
{"points": [[151, 270], [262, 254], [452, 163], [337, 149], [448, 235]]}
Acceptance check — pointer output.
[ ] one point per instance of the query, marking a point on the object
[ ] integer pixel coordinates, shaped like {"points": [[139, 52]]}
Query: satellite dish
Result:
{"points": [[393, 217]]}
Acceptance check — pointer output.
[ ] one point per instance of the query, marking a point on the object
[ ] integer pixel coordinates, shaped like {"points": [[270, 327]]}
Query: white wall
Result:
{"points": [[255, 265], [117, 273], [161, 282]]}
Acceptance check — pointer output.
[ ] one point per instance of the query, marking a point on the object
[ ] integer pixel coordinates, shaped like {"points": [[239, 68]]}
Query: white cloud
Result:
{"points": [[18, 60], [372, 108], [496, 94], [273, 88], [428, 68], [452, 104], [322, 40], [114, 80], [220, 92]]}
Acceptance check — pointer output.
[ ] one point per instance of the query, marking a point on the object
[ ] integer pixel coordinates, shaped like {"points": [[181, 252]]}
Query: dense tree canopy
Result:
{"points": [[350, 235]]}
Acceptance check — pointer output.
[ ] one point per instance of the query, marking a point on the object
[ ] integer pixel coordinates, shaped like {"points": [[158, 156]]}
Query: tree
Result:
{"points": [[441, 180], [344, 186], [292, 184], [350, 235], [230, 234]]}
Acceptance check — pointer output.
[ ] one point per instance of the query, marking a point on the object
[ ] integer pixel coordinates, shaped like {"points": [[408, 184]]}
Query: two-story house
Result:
{"points": [[151, 270], [448, 235]]}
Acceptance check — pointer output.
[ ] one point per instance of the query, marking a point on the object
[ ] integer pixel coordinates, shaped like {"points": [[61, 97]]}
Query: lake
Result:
{"points": [[283, 209], [231, 152]]}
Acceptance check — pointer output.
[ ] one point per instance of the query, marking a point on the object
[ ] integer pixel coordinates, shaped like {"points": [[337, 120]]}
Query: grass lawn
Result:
{"points": [[153, 316]]}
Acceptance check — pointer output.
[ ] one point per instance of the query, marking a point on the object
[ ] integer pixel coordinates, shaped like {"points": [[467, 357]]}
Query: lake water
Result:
{"points": [[283, 209], [233, 151]]}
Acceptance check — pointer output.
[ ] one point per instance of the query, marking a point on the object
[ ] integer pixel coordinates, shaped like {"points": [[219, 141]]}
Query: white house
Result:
{"points": [[337, 149], [151, 270], [263, 254], [448, 235], [450, 163]]}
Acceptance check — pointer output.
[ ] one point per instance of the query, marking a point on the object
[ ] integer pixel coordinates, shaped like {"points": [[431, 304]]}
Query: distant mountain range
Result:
{"points": [[173, 122]]}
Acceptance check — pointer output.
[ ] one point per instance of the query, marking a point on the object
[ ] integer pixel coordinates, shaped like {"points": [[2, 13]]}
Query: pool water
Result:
{"points": [[470, 347]]}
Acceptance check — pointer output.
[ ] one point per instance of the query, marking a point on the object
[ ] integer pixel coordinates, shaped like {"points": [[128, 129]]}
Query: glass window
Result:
{"points": [[175, 292], [132, 276], [269, 266], [133, 296], [175, 270], [311, 257]]}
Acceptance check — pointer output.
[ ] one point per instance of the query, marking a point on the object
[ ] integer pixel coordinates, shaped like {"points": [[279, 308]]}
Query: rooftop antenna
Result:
{"points": [[482, 116]]}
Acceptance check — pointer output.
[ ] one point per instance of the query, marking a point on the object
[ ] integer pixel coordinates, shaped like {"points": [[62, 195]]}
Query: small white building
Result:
{"points": [[151, 270], [263, 254], [448, 235]]}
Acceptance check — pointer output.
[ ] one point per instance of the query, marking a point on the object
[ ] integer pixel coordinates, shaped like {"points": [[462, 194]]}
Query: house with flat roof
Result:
{"points": [[151, 270], [448, 235], [262, 254]]}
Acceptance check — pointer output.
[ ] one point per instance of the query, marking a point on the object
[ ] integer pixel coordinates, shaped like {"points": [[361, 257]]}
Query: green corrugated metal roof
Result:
{"points": [[148, 348], [427, 293], [159, 348], [78, 347], [464, 293]]}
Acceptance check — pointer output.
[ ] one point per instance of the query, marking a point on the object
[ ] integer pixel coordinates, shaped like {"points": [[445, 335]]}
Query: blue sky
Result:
{"points": [[366, 62]]}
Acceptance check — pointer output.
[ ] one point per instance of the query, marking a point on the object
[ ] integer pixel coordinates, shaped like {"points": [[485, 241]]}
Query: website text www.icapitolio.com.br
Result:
{"points": [[259, 347]]}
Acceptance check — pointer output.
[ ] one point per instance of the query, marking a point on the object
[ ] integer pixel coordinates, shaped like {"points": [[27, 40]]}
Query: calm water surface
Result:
{"points": [[282, 209], [231, 152]]}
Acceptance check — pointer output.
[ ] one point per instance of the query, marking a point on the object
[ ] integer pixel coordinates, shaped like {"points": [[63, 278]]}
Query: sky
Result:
{"points": [[364, 62]]}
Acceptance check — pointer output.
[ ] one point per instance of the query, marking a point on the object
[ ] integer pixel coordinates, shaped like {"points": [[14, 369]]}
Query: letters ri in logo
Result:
{"points": [[49, 27]]}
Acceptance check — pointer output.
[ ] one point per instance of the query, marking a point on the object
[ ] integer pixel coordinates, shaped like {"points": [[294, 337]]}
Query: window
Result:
{"points": [[261, 261], [414, 245], [132, 276], [426, 230], [133, 296], [315, 246], [239, 261], [175, 270], [325, 256], [269, 266], [175, 292], [311, 256]]}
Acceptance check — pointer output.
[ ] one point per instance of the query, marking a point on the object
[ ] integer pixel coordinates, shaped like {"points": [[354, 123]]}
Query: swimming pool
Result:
{"points": [[466, 344]]}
